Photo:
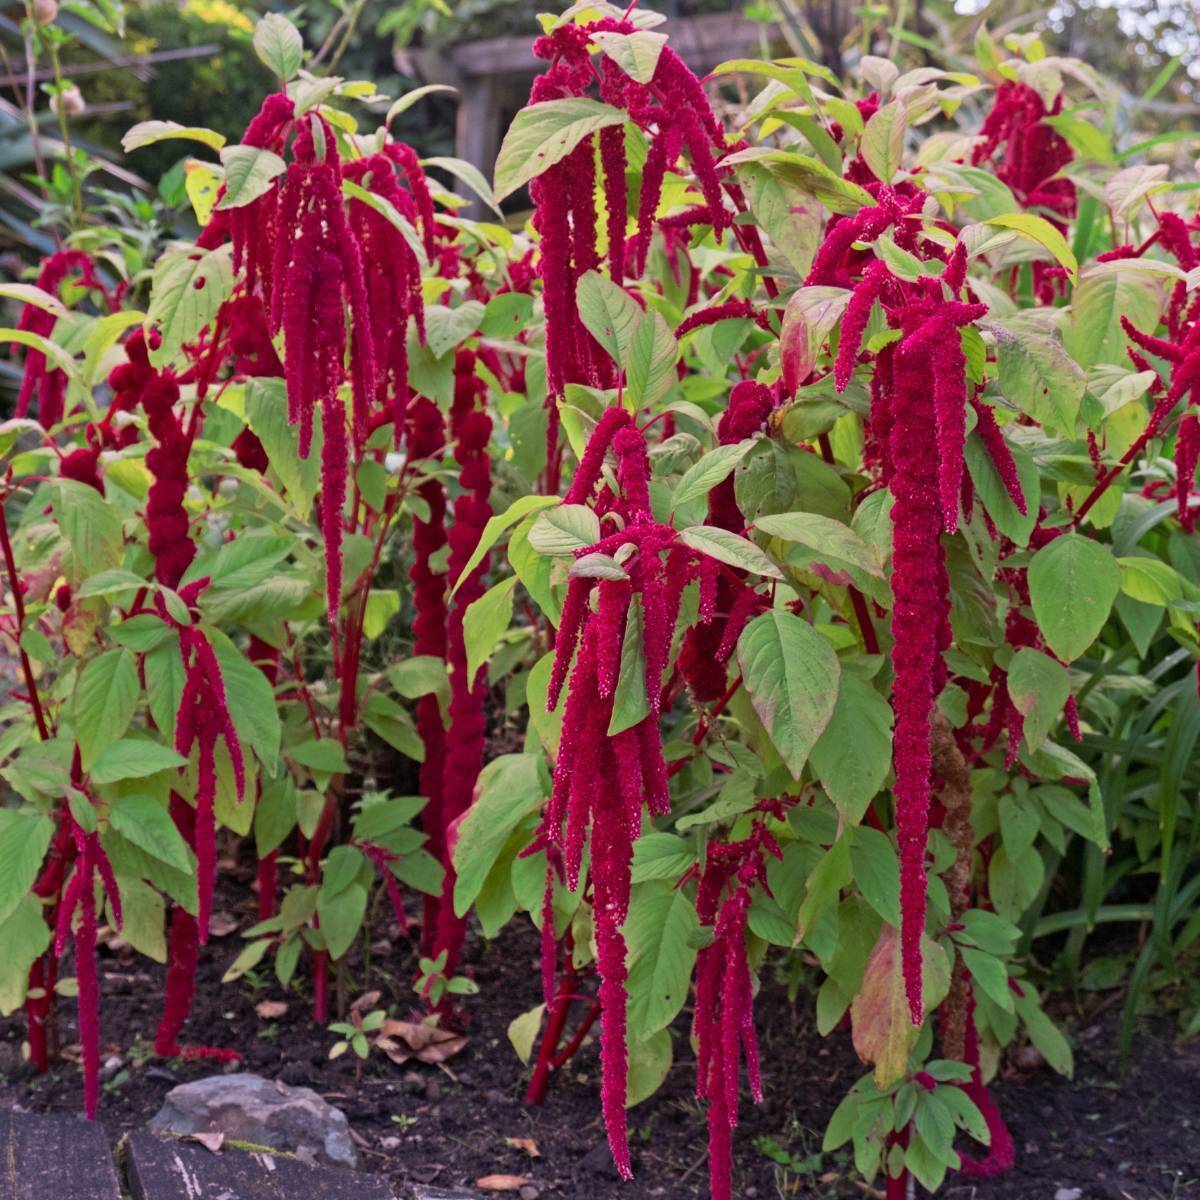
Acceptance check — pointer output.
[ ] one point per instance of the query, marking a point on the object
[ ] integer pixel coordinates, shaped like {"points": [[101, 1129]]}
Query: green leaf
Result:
{"points": [[485, 622], [1150, 580], [341, 917], [244, 562], [143, 913], [852, 757], [278, 44], [635, 53], [1038, 375], [146, 823], [729, 548], [466, 173], [449, 326], [104, 700], [825, 536], [187, 291], [133, 758], [564, 529], [523, 1031], [509, 789], [882, 141], [701, 477], [24, 938], [649, 361], [496, 525], [1073, 582], [544, 134], [1106, 294], [648, 1067], [1038, 229], [792, 675], [994, 495], [266, 412], [147, 133], [660, 856], [989, 975], [250, 172], [91, 525], [660, 933], [609, 313], [877, 872], [1039, 687], [24, 839], [324, 755], [630, 703], [251, 700]]}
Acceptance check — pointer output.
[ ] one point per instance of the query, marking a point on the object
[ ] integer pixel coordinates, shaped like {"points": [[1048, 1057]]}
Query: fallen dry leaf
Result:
{"points": [[222, 924], [270, 1010], [366, 1001], [501, 1183], [210, 1141], [402, 1040], [527, 1144]]}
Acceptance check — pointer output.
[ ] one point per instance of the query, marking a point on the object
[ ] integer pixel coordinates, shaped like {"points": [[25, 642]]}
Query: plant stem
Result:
{"points": [[10, 566], [64, 129]]}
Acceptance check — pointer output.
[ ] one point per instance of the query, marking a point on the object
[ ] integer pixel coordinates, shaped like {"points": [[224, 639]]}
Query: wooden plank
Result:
{"points": [[55, 1158], [169, 1169]]}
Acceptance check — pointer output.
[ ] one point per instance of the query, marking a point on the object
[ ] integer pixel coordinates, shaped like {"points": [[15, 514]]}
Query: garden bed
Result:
{"points": [[419, 1124]]}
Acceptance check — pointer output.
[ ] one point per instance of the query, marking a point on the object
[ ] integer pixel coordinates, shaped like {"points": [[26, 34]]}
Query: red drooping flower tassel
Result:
{"points": [[392, 269], [706, 647], [724, 1014], [315, 274], [602, 779], [426, 440], [471, 427], [40, 381]]}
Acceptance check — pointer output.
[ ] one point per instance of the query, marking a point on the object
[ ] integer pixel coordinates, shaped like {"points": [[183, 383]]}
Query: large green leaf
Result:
{"points": [[851, 758], [1073, 582], [792, 675], [660, 932], [485, 621], [24, 838], [146, 823], [544, 134], [1039, 688], [278, 44], [187, 291], [104, 700], [509, 789]]}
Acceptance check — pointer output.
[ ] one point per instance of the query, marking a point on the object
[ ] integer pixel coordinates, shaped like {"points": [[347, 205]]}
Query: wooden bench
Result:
{"points": [[55, 1158], [169, 1169], [62, 1158]]}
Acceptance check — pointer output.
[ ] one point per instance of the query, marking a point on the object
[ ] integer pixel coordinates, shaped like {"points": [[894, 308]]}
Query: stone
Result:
{"points": [[421, 1191], [249, 1108]]}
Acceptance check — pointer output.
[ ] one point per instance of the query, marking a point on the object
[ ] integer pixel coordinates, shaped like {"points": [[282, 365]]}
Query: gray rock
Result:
{"points": [[248, 1108], [421, 1191]]}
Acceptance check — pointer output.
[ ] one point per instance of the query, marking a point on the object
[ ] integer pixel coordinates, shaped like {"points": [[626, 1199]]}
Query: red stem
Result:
{"points": [[10, 564]]}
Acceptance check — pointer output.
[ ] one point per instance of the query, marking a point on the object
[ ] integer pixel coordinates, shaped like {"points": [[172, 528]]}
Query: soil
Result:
{"points": [[1095, 1138]]}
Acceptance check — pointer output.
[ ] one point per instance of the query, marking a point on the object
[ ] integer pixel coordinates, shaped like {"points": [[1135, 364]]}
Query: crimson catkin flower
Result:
{"points": [[723, 1024], [426, 440], [602, 780], [471, 428], [392, 269], [202, 719], [255, 228], [39, 380], [1000, 454], [1187, 454], [701, 660]]}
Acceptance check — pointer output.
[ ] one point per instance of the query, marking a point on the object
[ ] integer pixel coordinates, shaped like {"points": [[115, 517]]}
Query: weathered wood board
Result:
{"points": [[55, 1158], [168, 1169]]}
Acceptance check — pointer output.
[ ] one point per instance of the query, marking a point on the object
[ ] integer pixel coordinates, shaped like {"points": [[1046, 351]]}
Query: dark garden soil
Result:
{"points": [[1133, 1140]]}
